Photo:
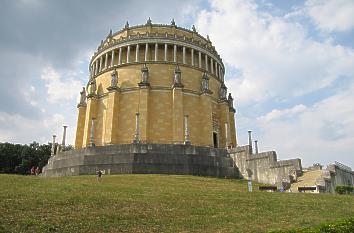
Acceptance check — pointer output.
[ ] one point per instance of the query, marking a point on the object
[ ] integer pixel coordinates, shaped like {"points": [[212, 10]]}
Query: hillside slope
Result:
{"points": [[157, 203]]}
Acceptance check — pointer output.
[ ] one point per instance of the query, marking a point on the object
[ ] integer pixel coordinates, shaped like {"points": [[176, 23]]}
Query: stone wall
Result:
{"points": [[265, 167], [339, 175], [143, 159]]}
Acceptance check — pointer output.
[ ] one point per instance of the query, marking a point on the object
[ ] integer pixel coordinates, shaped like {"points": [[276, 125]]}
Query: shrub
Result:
{"points": [[342, 226], [344, 189]]}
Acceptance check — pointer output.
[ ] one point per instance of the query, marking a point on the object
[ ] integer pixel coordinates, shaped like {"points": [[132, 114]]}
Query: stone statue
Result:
{"points": [[205, 82], [173, 23], [83, 96], [223, 92], [148, 22], [193, 28], [126, 25], [93, 86], [144, 74], [114, 80], [177, 77], [230, 100]]}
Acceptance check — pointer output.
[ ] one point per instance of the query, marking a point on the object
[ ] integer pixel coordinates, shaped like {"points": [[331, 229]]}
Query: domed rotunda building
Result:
{"points": [[155, 102]]}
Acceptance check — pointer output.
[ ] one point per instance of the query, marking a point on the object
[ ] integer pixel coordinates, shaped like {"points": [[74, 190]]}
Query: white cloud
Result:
{"points": [[19, 129], [331, 15], [277, 57], [60, 89], [285, 113], [320, 133]]}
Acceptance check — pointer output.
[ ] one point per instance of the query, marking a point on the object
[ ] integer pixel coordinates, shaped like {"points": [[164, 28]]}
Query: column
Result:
{"points": [[165, 52], [250, 141], [92, 132], [120, 56], [52, 151], [112, 60], [200, 59], [212, 65], [64, 135], [184, 55], [174, 53], [128, 53], [137, 130], [186, 131], [106, 61], [156, 51], [226, 135], [256, 146], [137, 53], [206, 62], [101, 61], [96, 67], [146, 51], [224, 123], [192, 56], [232, 140]]}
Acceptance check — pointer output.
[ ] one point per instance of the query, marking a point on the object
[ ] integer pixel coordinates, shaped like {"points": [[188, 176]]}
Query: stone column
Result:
{"points": [[128, 53], [96, 67], [137, 53], [226, 135], [52, 151], [256, 146], [112, 60], [144, 93], [212, 65], [146, 52], [156, 51], [206, 62], [120, 56], [232, 140], [184, 55], [250, 141], [165, 52], [174, 53], [192, 57], [101, 61], [106, 61], [64, 135], [186, 131], [200, 59], [92, 132], [137, 130]]}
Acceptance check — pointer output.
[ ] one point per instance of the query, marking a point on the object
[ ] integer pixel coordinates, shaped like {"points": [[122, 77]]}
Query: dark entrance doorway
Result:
{"points": [[215, 139]]}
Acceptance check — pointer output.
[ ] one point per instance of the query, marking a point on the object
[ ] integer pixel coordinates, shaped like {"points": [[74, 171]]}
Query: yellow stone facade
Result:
{"points": [[166, 74]]}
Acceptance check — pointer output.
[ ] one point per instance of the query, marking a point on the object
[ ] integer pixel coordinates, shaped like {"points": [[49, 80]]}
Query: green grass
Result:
{"points": [[157, 203]]}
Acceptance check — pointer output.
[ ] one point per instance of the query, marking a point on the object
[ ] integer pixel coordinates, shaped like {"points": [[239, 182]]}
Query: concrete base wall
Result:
{"points": [[264, 166], [143, 159]]}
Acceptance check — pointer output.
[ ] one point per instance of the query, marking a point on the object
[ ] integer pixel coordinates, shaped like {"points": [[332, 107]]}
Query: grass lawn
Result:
{"points": [[157, 203]]}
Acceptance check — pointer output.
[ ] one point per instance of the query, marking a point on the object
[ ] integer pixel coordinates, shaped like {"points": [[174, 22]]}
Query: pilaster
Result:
{"points": [[233, 139], [224, 120], [177, 112], [144, 91], [206, 122], [91, 112], [80, 126], [111, 132]]}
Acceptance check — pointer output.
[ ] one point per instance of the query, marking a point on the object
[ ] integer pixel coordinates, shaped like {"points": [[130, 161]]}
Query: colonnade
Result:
{"points": [[196, 57]]}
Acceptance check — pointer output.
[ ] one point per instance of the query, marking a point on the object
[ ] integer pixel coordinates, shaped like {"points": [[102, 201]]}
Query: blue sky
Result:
{"points": [[289, 65]]}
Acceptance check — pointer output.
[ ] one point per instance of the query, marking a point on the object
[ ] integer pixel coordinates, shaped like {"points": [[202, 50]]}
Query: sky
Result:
{"points": [[289, 65]]}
